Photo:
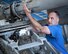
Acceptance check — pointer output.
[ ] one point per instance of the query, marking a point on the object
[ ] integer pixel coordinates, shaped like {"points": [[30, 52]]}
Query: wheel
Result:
{"points": [[2, 50]]}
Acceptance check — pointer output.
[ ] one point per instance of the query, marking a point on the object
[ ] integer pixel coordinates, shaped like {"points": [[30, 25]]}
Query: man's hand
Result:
{"points": [[26, 9], [36, 25]]}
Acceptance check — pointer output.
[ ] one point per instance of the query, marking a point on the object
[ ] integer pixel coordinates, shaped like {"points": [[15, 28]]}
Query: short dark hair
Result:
{"points": [[57, 13]]}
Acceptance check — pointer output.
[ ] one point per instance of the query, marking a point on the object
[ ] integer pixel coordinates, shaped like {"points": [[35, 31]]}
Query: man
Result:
{"points": [[53, 31]]}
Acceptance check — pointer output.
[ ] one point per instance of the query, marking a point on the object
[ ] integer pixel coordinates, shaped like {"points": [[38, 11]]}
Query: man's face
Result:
{"points": [[53, 18]]}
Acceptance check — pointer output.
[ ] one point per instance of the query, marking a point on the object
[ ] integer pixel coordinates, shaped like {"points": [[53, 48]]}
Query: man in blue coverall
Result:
{"points": [[53, 31]]}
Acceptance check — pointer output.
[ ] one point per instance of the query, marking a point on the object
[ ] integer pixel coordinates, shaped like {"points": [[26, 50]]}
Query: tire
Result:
{"points": [[2, 50]]}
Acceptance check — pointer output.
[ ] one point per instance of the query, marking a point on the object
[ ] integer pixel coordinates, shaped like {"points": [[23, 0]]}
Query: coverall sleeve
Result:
{"points": [[53, 30]]}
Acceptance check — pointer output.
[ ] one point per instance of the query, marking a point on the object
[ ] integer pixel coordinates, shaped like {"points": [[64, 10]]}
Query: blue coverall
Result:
{"points": [[56, 38]]}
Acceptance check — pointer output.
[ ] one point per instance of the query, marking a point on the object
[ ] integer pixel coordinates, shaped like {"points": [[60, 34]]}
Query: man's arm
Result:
{"points": [[39, 27]]}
